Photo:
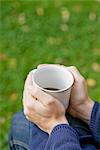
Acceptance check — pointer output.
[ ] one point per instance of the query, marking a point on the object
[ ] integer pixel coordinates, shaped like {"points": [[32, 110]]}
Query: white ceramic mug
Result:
{"points": [[57, 79]]}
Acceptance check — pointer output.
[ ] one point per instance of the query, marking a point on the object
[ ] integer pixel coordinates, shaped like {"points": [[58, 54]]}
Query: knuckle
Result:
{"points": [[82, 80], [28, 77], [74, 67], [28, 106], [30, 72], [26, 112], [27, 118], [51, 102], [40, 65]]}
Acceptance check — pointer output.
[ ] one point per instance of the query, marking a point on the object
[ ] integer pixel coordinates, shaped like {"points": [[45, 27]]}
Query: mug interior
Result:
{"points": [[54, 77]]}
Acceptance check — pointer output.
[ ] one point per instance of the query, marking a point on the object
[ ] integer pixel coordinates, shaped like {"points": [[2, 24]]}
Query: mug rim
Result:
{"points": [[54, 91]]}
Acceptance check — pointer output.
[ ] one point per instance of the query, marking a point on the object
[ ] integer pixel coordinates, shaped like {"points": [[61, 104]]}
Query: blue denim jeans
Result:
{"points": [[21, 131]]}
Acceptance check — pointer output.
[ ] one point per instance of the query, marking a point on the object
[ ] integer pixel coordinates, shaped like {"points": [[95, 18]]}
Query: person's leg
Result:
{"points": [[20, 132]]}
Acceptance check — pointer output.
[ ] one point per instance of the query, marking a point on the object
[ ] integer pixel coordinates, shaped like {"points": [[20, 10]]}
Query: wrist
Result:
{"points": [[56, 122], [85, 111]]}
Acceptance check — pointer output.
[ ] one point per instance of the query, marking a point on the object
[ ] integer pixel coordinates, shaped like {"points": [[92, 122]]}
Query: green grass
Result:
{"points": [[33, 32]]}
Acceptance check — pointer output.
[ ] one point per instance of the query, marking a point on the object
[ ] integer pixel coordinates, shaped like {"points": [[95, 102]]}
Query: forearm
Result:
{"points": [[85, 111], [63, 137], [95, 122], [90, 113]]}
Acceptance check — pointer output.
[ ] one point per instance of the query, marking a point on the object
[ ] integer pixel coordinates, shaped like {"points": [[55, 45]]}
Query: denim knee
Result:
{"points": [[20, 132]]}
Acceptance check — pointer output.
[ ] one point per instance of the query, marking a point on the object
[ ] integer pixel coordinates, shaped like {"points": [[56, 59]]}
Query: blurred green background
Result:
{"points": [[45, 31]]}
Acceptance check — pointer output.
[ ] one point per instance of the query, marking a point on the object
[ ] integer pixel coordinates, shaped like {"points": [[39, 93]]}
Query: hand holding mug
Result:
{"points": [[41, 108], [46, 111], [80, 103]]}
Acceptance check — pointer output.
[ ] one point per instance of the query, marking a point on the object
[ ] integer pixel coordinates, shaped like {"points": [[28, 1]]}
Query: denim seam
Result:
{"points": [[19, 143], [30, 132]]}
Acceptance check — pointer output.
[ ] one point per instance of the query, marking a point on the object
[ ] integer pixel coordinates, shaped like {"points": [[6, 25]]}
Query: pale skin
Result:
{"points": [[47, 112], [80, 103]]}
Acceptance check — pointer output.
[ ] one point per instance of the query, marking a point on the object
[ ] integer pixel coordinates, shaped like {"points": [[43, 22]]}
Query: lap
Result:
{"points": [[21, 131]]}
